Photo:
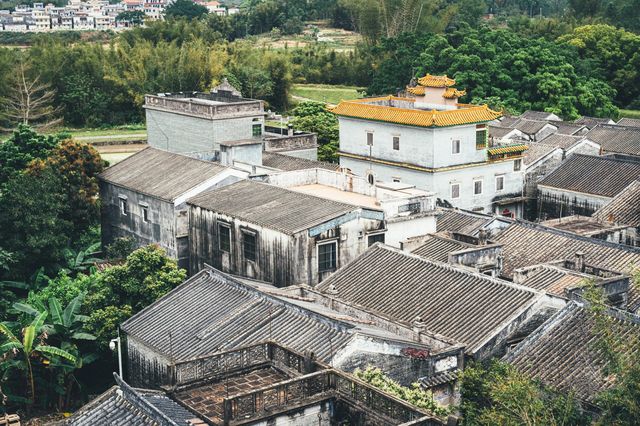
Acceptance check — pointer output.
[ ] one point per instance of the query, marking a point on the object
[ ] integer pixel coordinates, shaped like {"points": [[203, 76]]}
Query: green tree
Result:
{"points": [[314, 117], [500, 395], [185, 9], [132, 17]]}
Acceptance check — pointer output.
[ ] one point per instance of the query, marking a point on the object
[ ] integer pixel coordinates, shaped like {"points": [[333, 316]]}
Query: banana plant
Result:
{"points": [[83, 260], [30, 346]]}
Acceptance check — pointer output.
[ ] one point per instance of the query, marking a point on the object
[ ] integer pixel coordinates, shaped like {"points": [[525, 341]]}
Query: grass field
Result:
{"points": [[325, 92], [629, 113], [314, 32]]}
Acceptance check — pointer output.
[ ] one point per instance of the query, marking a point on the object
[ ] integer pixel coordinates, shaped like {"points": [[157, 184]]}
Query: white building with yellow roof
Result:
{"points": [[435, 143]]}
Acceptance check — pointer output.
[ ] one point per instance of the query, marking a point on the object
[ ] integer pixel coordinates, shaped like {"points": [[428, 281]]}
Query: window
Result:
{"points": [[411, 207], [370, 138], [375, 238], [517, 165], [371, 178], [481, 136], [124, 206], [455, 190], [477, 187], [396, 143], [224, 238], [396, 179], [256, 130], [455, 147], [249, 242], [499, 183], [145, 213], [327, 257]]}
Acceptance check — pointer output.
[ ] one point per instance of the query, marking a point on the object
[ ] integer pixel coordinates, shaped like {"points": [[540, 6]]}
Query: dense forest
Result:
{"points": [[59, 312]]}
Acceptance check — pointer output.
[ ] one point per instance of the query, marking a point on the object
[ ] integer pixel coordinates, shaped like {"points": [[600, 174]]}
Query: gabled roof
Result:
{"points": [[160, 174], [461, 221], [499, 132], [564, 353], [415, 117], [526, 244], [591, 122], [624, 208], [561, 141], [537, 115], [436, 81], [629, 122], [271, 206], [603, 176], [537, 151], [288, 163], [617, 139], [458, 304], [567, 128], [436, 247], [530, 127]]}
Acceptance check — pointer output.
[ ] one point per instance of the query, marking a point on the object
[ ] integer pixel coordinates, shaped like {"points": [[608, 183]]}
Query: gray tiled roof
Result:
{"points": [[561, 141], [461, 221], [160, 174], [603, 176], [438, 248], [629, 122], [288, 163], [536, 151], [536, 115], [271, 206], [564, 353], [591, 122], [616, 139], [568, 128], [211, 312], [458, 304], [499, 132], [530, 127], [553, 280], [527, 244], [624, 208], [110, 408]]}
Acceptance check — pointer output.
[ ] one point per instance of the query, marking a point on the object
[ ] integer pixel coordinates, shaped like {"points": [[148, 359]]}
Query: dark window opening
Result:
{"points": [[455, 147], [375, 238], [517, 165], [396, 143], [327, 257], [249, 242], [124, 206], [145, 214], [369, 138], [224, 238], [477, 187]]}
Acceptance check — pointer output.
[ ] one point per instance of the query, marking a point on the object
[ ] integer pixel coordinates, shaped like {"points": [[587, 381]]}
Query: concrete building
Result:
{"points": [[277, 235], [434, 143], [583, 184], [407, 211], [143, 198]]}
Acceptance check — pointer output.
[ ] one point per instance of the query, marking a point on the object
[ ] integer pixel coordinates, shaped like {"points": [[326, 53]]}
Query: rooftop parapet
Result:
{"points": [[204, 105]]}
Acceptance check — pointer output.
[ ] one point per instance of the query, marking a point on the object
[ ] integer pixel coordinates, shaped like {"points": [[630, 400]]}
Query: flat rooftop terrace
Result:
{"points": [[335, 194]]}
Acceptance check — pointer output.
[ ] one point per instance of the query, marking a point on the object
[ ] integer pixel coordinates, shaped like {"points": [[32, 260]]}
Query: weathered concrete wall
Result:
{"points": [[281, 259], [295, 142], [160, 229], [188, 134], [554, 203], [320, 414], [145, 368]]}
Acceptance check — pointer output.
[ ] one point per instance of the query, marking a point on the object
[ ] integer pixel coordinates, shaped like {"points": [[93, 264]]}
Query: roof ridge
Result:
{"points": [[453, 268]]}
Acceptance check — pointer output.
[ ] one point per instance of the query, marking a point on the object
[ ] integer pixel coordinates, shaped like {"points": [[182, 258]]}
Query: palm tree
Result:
{"points": [[13, 346]]}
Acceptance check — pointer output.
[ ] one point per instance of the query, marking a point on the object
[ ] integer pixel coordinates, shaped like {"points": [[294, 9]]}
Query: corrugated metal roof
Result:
{"points": [[160, 174], [624, 208], [617, 139], [527, 244], [211, 312], [564, 354], [458, 304], [271, 206], [289, 163], [603, 176]]}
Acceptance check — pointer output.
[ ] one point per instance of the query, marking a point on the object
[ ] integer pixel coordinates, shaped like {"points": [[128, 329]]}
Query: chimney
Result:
{"points": [[580, 261], [289, 130], [482, 237], [417, 325]]}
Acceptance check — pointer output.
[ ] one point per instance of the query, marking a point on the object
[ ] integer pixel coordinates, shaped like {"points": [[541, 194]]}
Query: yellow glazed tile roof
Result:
{"points": [[418, 90], [415, 117], [507, 149], [436, 81], [452, 93]]}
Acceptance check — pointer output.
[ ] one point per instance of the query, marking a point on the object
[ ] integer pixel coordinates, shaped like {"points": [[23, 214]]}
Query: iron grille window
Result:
{"points": [[257, 130], [396, 143], [224, 238], [481, 139], [249, 242], [327, 257], [477, 187], [375, 238], [411, 207], [499, 183], [455, 190]]}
